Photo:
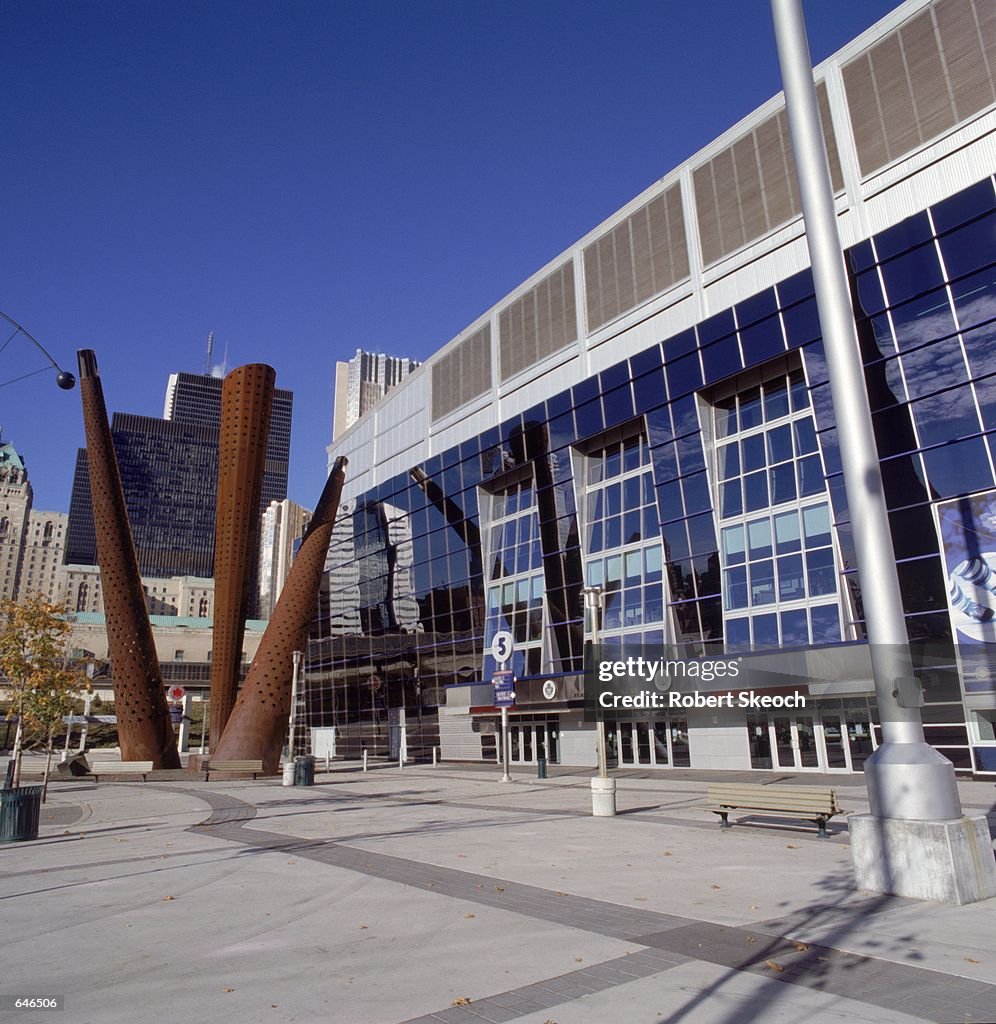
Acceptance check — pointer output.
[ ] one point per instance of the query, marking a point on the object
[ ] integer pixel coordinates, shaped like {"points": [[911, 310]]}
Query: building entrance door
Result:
{"points": [[832, 736], [529, 741], [658, 743]]}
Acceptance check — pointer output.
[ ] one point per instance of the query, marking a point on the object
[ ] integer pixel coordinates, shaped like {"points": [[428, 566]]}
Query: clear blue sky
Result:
{"points": [[308, 176]]}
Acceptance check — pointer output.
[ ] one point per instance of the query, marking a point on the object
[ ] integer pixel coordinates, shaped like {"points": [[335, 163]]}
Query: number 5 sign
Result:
{"points": [[502, 646]]}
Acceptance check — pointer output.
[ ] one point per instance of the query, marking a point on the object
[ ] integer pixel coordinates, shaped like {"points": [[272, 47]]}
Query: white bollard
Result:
{"points": [[328, 762], [364, 760], [434, 761], [288, 773], [401, 762], [603, 797]]}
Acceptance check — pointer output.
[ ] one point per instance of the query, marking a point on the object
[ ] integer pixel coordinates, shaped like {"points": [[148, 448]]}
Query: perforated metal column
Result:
{"points": [[246, 402], [144, 730], [259, 719]]}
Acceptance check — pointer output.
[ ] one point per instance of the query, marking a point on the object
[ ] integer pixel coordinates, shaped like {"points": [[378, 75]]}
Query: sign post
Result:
{"points": [[502, 648]]}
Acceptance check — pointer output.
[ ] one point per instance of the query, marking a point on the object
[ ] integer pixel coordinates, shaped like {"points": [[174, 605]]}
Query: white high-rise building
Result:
{"points": [[283, 526], [362, 382]]}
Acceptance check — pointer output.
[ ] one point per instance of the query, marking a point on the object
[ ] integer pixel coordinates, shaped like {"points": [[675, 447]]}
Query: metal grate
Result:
{"points": [[750, 189], [541, 322], [637, 259], [462, 374], [933, 72]]}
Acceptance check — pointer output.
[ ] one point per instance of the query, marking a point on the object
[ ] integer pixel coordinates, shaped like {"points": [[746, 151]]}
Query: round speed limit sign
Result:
{"points": [[502, 646]]}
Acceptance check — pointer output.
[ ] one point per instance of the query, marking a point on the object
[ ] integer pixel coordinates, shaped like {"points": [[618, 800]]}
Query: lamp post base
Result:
{"points": [[603, 797], [941, 861], [911, 781]]}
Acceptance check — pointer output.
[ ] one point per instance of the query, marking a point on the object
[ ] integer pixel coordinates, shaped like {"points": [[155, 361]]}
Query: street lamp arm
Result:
{"points": [[64, 378]]}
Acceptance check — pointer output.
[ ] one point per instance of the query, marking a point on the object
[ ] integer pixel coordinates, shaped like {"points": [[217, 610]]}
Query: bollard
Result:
{"points": [[540, 767], [434, 761], [364, 760], [328, 762], [401, 762]]}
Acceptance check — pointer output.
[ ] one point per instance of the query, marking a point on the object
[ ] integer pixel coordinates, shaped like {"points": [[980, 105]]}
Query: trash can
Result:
{"points": [[289, 767], [304, 770], [19, 813], [540, 767]]}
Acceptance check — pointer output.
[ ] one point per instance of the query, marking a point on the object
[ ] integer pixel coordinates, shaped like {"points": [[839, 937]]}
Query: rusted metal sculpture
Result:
{"points": [[144, 730], [246, 402], [259, 719]]}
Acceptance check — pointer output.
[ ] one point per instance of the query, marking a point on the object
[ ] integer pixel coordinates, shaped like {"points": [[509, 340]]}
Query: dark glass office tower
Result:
{"points": [[169, 470], [196, 398]]}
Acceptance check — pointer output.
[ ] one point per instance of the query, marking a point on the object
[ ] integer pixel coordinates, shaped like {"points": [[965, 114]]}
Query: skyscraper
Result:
{"points": [[282, 528], [15, 508], [362, 382], [196, 398], [169, 470]]}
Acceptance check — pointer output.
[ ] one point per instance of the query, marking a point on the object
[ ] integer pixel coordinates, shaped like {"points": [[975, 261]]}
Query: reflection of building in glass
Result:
{"points": [[361, 382], [650, 414]]}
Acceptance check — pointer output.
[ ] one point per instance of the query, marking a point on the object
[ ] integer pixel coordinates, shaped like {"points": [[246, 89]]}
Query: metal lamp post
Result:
{"points": [[915, 842], [603, 789], [298, 657]]}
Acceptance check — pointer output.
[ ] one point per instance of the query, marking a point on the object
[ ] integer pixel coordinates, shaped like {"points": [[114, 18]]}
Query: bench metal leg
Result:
{"points": [[822, 825], [724, 820]]}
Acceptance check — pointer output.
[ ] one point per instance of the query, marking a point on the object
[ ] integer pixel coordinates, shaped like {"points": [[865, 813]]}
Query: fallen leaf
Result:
{"points": [[578, 960], [499, 888], [228, 990], [364, 927], [643, 899], [461, 1001], [800, 947], [789, 846], [774, 966], [750, 938], [469, 916], [667, 853], [753, 906], [166, 899], [714, 886], [969, 960], [561, 894]]}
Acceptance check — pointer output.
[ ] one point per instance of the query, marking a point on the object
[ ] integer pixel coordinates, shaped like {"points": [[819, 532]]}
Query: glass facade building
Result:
{"points": [[651, 414]]}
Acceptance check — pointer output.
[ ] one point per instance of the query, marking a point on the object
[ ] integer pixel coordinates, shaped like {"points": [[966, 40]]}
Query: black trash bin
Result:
{"points": [[540, 767], [20, 810], [304, 770]]}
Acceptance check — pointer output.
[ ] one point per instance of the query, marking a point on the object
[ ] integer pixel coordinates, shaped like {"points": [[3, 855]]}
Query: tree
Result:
{"points": [[35, 663]]}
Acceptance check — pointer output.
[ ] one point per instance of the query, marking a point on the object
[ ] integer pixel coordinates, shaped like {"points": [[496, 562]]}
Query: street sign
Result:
{"points": [[502, 646], [504, 691], [176, 693], [176, 713]]}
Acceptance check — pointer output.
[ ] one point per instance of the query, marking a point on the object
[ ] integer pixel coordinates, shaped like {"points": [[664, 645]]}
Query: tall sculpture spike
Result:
{"points": [[246, 402], [258, 720], [144, 730]]}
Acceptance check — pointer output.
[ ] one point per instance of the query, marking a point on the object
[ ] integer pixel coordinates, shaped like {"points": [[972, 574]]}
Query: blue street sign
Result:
{"points": [[504, 685]]}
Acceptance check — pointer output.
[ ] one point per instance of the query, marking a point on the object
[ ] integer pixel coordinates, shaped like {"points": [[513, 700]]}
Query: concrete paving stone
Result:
{"points": [[485, 1009], [543, 997]]}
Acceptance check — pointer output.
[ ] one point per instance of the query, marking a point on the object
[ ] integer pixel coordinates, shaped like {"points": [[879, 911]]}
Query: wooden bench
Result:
{"points": [[98, 768], [807, 803], [231, 766]]}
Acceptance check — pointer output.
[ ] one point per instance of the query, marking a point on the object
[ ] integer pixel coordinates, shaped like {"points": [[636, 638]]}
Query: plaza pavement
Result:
{"points": [[435, 895]]}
